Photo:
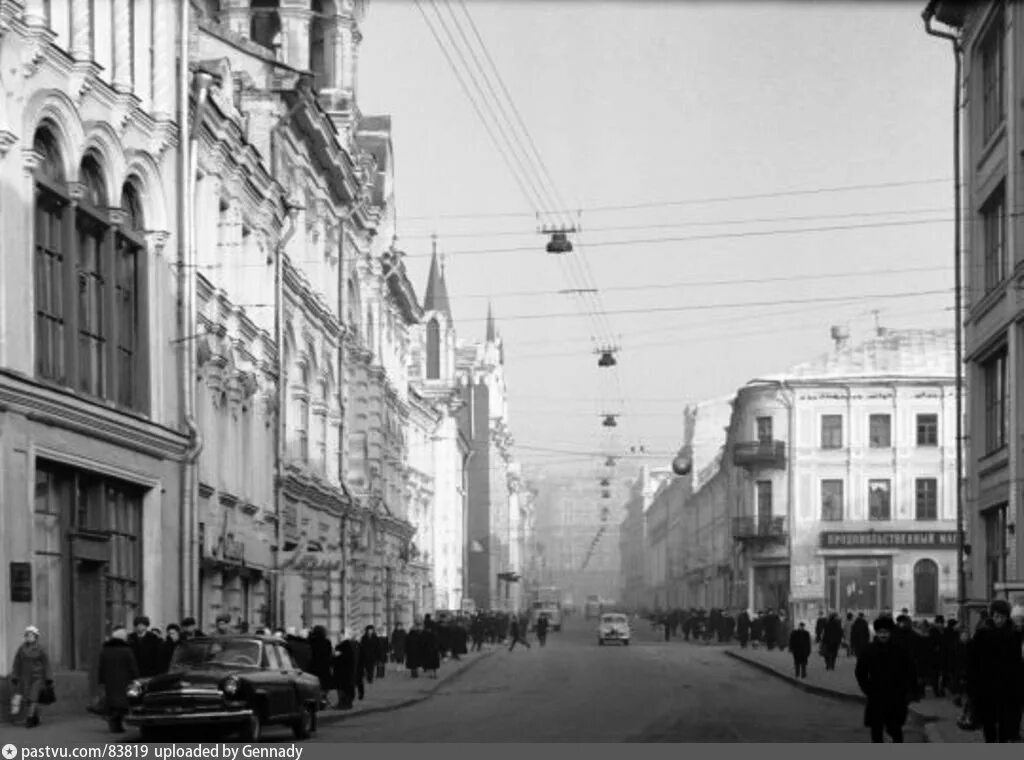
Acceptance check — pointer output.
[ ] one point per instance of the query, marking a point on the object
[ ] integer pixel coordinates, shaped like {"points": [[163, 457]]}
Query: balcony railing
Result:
{"points": [[752, 454], [754, 528]]}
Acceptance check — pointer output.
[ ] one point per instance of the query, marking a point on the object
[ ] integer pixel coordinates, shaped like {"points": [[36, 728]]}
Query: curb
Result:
{"points": [[931, 732], [336, 716]]}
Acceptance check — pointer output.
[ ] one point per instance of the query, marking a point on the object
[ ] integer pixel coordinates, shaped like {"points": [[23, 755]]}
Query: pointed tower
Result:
{"points": [[436, 297], [491, 335]]}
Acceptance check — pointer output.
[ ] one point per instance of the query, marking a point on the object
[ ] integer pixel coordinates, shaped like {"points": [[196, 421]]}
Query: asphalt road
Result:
{"points": [[575, 691]]}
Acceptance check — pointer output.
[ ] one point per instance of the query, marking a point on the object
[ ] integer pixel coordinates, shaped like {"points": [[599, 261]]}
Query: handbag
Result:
{"points": [[15, 704], [47, 696]]}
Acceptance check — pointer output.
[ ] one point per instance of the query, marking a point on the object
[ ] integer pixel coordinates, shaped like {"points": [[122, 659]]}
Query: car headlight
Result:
{"points": [[134, 690], [230, 686]]}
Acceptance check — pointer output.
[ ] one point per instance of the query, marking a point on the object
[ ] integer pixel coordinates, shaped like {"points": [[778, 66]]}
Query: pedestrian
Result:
{"points": [[860, 635], [147, 648], [886, 675], [116, 672], [368, 653], [743, 628], [515, 635], [398, 636], [168, 645], [189, 629], [223, 624], [847, 631], [299, 647], [995, 670], [430, 654], [542, 630], [800, 648], [771, 629], [831, 640], [344, 666], [320, 659], [30, 675], [819, 626], [412, 650]]}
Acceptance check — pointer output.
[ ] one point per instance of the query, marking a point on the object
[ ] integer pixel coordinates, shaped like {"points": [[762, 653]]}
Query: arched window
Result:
{"points": [[264, 22], [88, 280], [926, 587], [433, 350]]}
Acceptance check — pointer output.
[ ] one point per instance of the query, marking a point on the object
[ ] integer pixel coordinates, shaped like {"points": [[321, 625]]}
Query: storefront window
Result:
{"points": [[926, 587], [858, 583]]}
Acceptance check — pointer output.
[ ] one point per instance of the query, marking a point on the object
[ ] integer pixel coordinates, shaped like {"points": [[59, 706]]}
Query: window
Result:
{"points": [[879, 500], [764, 430], [927, 430], [302, 428], [880, 431], [926, 587], [433, 350], [831, 431], [995, 382], [858, 584], [993, 239], [832, 500], [926, 499], [993, 75], [265, 23], [764, 504], [89, 281], [996, 546]]}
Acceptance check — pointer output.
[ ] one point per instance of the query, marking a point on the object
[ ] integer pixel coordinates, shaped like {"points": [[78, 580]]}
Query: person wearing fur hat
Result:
{"points": [[885, 673], [117, 670], [995, 670], [30, 674]]}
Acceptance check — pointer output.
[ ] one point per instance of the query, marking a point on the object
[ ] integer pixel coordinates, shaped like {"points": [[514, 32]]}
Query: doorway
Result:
{"points": [[88, 603]]}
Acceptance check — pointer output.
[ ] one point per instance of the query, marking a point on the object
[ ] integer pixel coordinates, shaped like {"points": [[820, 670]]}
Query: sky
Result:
{"points": [[744, 176]]}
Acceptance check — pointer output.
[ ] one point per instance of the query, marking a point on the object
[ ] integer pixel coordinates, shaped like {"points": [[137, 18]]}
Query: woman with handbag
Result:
{"points": [[32, 677]]}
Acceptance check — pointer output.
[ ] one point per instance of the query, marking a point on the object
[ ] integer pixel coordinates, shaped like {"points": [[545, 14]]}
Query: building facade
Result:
{"points": [[847, 476], [991, 38], [93, 438]]}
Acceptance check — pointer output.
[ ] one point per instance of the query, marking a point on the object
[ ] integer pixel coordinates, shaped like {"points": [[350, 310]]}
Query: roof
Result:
{"points": [[887, 354], [436, 297]]}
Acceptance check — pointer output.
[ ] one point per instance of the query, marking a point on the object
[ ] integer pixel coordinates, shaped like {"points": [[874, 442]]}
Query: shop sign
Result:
{"points": [[944, 539], [21, 581], [307, 562]]}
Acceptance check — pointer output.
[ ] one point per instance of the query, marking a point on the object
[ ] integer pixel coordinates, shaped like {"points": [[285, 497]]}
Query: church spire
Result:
{"points": [[436, 297], [491, 335]]}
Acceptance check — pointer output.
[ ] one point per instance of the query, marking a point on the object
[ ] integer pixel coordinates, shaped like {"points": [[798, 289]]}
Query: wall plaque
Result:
{"points": [[21, 581]]}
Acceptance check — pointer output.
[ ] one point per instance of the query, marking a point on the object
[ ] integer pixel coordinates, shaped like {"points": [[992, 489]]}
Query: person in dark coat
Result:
{"points": [[398, 644], [345, 672], [117, 669], [831, 640], [368, 653], [542, 630], [757, 629], [743, 628], [189, 629], [771, 629], [168, 645], [819, 626], [320, 657], [147, 648], [860, 635], [516, 636], [412, 650], [885, 673], [800, 648], [429, 655], [30, 674], [995, 670], [383, 652], [460, 645]]}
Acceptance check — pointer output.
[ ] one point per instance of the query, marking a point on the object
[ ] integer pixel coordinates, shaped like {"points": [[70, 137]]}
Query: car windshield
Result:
{"points": [[613, 619], [215, 653]]}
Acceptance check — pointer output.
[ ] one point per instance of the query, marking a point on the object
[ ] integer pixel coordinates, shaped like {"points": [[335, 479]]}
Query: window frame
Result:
{"points": [[827, 433], [874, 487], [926, 499], [991, 58], [994, 384], [761, 428], [921, 425], [832, 515], [872, 420], [993, 229]]}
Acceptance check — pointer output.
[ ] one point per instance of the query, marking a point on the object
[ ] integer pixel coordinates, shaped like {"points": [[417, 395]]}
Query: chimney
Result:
{"points": [[841, 336]]}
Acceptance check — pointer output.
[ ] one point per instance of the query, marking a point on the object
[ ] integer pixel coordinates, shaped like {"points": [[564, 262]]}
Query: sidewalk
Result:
{"points": [[938, 715], [394, 691]]}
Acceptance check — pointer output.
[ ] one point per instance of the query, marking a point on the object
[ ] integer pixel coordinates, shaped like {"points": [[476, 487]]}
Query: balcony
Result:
{"points": [[770, 530], [759, 454]]}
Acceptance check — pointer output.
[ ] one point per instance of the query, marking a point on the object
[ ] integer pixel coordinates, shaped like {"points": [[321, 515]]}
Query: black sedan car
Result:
{"points": [[239, 683]]}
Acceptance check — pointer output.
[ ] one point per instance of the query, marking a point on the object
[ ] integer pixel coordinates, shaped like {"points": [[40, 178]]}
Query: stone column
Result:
{"points": [[165, 68], [81, 27], [122, 79]]}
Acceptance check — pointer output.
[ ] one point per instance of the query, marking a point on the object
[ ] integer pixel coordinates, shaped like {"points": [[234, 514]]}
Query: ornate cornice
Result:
{"points": [[90, 418]]}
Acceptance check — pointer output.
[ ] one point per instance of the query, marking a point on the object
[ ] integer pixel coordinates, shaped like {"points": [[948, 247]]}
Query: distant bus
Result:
{"points": [[592, 608], [547, 601]]}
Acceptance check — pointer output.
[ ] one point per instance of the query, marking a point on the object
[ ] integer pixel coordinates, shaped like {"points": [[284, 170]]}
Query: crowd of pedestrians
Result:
{"points": [[344, 668]]}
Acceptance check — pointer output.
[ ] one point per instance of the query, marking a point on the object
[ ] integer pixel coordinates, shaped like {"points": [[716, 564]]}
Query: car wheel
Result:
{"points": [[303, 726], [252, 730]]}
